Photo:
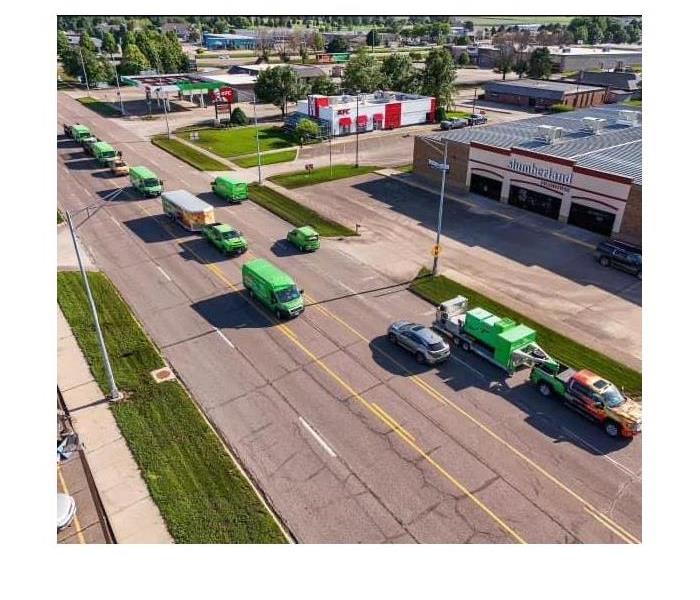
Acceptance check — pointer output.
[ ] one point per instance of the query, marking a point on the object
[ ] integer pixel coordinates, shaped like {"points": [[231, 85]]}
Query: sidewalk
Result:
{"points": [[133, 515]]}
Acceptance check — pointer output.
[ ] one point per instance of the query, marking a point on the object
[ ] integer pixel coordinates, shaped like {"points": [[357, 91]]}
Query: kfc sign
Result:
{"points": [[222, 96]]}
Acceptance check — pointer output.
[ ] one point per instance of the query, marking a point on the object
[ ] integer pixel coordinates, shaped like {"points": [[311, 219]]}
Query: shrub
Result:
{"points": [[559, 108], [441, 113], [238, 117]]}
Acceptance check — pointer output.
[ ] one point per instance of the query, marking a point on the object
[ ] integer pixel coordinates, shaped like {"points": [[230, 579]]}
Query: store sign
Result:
{"points": [[544, 173], [222, 96], [344, 111]]}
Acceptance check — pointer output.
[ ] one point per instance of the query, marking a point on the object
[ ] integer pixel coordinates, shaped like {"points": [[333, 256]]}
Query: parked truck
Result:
{"points": [[501, 341], [104, 153], [273, 288], [145, 181], [79, 132], [590, 395], [188, 210], [119, 166], [230, 189]]}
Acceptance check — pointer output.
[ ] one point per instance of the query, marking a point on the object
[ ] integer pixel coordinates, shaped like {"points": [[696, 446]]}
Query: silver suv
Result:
{"points": [[421, 341]]}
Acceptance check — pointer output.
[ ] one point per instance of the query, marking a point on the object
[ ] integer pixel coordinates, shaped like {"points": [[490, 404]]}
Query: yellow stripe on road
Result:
{"points": [[76, 520], [394, 423]]}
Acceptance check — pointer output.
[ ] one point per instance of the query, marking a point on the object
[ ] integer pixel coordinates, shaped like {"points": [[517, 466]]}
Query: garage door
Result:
{"points": [[542, 204], [485, 186], [593, 219]]}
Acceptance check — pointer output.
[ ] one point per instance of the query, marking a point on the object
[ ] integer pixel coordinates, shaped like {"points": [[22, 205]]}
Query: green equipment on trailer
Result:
{"points": [[501, 341]]}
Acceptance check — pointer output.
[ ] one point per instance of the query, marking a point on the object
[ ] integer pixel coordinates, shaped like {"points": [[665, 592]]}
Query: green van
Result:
{"points": [[305, 238], [230, 189], [274, 288], [104, 153], [145, 181], [79, 132]]}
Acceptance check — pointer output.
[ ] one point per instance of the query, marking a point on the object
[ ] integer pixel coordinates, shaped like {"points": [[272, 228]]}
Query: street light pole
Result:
{"points": [[357, 131], [82, 62], [113, 391], [257, 138], [444, 167]]}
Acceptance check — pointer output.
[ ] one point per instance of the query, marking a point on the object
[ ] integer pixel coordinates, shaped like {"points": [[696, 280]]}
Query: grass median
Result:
{"points": [[295, 213], [102, 108], [440, 288], [237, 141], [188, 154], [303, 178], [270, 158], [202, 496]]}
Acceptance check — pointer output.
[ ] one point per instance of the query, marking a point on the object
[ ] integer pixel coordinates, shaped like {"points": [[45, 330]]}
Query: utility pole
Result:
{"points": [[330, 146], [357, 131], [165, 98], [119, 91], [474, 103], [82, 62], [114, 392], [444, 167], [257, 138]]}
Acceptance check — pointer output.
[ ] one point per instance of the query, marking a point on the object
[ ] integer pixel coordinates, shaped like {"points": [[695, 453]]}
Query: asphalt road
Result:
{"points": [[348, 438]]}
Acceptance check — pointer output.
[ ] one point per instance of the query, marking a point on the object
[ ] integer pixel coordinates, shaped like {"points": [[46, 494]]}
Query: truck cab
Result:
{"points": [[592, 396], [145, 181], [224, 237], [273, 288], [230, 189]]}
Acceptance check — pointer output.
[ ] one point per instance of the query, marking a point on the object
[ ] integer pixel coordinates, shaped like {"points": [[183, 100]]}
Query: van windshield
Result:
{"points": [[287, 294], [612, 397], [110, 154], [231, 234], [151, 182]]}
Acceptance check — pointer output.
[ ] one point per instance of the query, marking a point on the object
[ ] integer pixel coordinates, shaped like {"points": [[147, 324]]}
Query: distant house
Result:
{"points": [[621, 85], [74, 40], [543, 93], [182, 30]]}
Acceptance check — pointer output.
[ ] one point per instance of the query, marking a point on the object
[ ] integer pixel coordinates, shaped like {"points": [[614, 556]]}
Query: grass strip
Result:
{"points": [[200, 493], [458, 114], [59, 217], [441, 288], [188, 154], [321, 175], [405, 168], [270, 158], [295, 213], [637, 103], [228, 142], [102, 108]]}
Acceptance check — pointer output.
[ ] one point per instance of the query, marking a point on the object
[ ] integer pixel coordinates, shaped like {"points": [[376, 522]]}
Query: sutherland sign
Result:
{"points": [[545, 173]]}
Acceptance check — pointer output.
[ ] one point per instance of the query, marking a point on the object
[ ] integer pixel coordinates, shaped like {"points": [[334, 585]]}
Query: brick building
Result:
{"points": [[543, 93], [583, 167]]}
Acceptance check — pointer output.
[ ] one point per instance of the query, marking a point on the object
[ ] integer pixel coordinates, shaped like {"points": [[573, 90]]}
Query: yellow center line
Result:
{"points": [[394, 422], [624, 534], [627, 539], [78, 526]]}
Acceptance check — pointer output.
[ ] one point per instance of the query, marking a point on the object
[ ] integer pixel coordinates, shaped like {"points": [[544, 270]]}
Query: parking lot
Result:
{"points": [[541, 267]]}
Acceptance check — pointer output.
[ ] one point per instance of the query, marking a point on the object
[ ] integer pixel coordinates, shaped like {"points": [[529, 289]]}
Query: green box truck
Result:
{"points": [[104, 153], [273, 288], [145, 181], [230, 189]]}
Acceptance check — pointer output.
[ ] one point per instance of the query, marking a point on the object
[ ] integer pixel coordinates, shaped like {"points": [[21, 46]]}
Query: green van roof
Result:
{"points": [[103, 147], [269, 272], [81, 128], [143, 172], [307, 231], [228, 179]]}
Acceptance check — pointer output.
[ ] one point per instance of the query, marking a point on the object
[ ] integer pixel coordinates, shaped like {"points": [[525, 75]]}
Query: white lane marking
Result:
{"points": [[472, 369], [620, 466], [347, 287], [223, 337], [318, 438], [164, 274], [117, 223]]}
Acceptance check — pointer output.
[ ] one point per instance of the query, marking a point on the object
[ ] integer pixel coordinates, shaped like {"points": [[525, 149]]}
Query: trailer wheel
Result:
{"points": [[545, 389], [612, 428]]}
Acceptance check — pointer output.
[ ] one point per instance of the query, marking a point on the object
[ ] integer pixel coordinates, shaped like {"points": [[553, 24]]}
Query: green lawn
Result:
{"points": [[102, 108], [563, 348], [202, 496], [59, 217], [637, 103], [270, 158], [189, 155], [513, 20], [236, 141], [458, 114], [302, 178], [295, 213], [405, 168]]}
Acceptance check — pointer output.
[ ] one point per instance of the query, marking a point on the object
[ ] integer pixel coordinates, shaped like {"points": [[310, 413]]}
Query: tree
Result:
{"points": [[305, 130], [279, 85], [317, 41], [133, 60], [363, 73], [372, 38], [86, 42], [97, 68], [521, 66], [463, 59], [399, 74], [109, 44], [324, 86], [337, 44], [505, 60], [540, 64], [439, 76], [238, 117], [62, 45]]}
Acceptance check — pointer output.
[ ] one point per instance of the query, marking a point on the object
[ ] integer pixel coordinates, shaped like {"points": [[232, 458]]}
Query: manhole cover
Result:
{"points": [[164, 374]]}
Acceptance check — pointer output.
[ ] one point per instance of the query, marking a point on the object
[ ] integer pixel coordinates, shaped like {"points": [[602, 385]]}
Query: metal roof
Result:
{"points": [[538, 88], [186, 201], [616, 149]]}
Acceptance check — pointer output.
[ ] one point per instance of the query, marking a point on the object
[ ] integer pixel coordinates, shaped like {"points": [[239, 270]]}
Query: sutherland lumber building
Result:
{"points": [[582, 167]]}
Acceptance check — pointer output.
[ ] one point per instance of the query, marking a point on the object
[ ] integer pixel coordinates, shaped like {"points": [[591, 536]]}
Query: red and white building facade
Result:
{"points": [[369, 112]]}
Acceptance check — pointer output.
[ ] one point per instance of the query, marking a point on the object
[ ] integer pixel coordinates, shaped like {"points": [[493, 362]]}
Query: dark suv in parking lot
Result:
{"points": [[621, 255]]}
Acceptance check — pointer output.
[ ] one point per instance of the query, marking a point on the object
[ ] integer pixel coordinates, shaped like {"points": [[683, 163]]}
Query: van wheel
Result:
{"points": [[466, 346], [545, 389], [604, 261], [278, 314], [612, 428]]}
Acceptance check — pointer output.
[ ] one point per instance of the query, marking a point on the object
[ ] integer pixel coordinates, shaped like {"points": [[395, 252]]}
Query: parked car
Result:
{"points": [[305, 238], [477, 120], [224, 237], [453, 124], [421, 341], [65, 511], [621, 255]]}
